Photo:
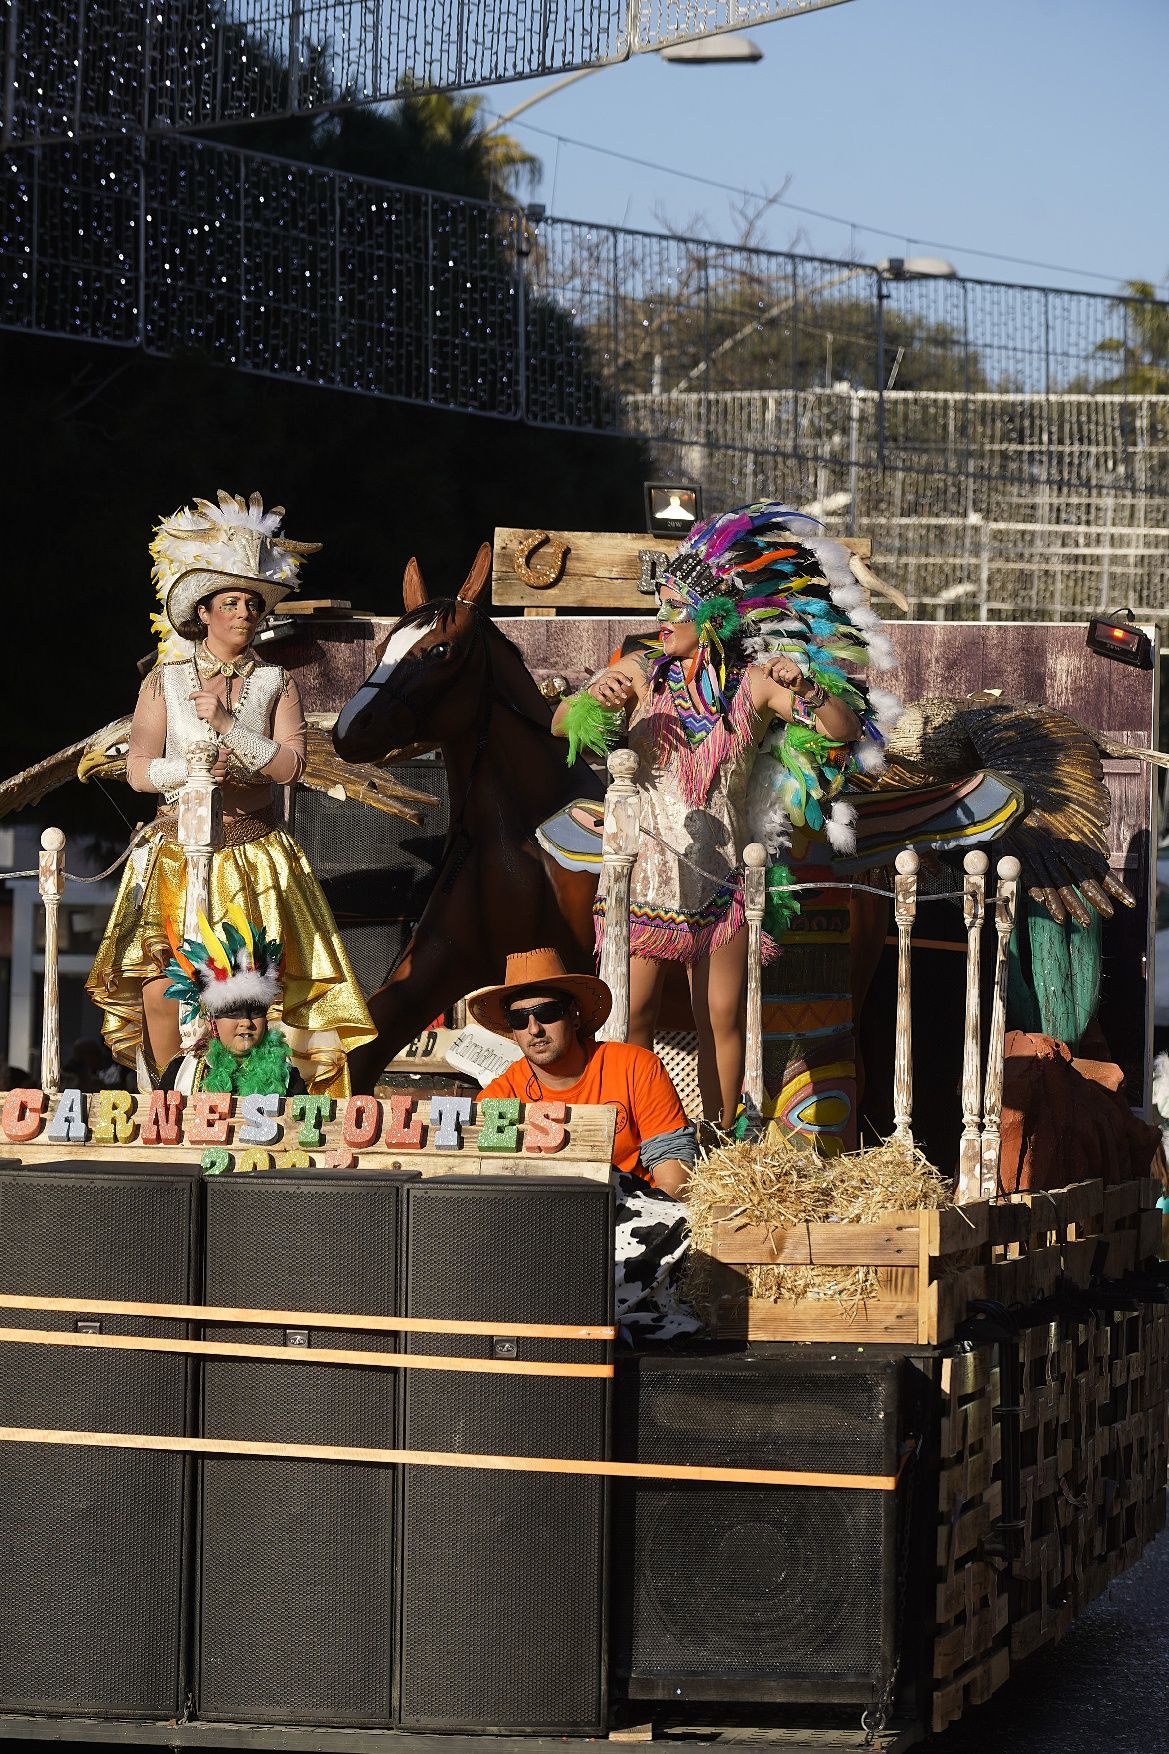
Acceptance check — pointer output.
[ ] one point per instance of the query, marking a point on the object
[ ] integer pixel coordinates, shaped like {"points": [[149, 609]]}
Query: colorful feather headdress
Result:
{"points": [[763, 581], [233, 969]]}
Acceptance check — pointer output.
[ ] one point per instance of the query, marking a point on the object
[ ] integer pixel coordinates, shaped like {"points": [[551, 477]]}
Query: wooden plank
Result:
{"points": [[1120, 1202], [953, 1229], [892, 1322], [827, 1245], [959, 1535], [949, 1298], [971, 1584], [973, 1638], [963, 1373], [595, 569]]}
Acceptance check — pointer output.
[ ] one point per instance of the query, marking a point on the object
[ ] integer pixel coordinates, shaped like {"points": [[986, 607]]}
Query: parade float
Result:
{"points": [[316, 1431]]}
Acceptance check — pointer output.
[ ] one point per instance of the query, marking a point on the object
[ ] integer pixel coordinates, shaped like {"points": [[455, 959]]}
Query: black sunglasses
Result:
{"points": [[543, 1010]]}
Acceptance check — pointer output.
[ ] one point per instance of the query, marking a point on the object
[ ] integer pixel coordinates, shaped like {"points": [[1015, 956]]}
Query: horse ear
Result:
{"points": [[414, 592], [472, 586]]}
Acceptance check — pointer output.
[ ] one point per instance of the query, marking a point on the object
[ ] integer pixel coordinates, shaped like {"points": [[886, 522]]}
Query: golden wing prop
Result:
{"points": [[103, 756], [1061, 837]]}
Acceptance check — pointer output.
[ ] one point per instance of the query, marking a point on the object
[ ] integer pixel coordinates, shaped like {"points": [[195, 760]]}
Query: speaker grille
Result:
{"points": [[756, 1592], [503, 1574], [377, 871], [92, 1604], [297, 1557]]}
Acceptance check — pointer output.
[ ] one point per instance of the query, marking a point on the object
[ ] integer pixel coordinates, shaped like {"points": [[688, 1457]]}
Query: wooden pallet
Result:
{"points": [[971, 1644]]}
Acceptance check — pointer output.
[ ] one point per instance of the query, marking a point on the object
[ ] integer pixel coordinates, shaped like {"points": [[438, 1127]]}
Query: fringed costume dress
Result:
{"points": [[260, 867], [686, 888]]}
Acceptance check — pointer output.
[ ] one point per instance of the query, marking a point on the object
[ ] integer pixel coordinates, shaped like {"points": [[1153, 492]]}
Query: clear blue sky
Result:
{"points": [[1032, 128]]}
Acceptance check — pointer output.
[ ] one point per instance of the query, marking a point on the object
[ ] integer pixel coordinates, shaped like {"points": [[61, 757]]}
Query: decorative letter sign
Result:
{"points": [[228, 1134]]}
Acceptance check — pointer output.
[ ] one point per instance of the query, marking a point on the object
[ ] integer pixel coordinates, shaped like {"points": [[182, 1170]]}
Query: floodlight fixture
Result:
{"points": [[1117, 636]]}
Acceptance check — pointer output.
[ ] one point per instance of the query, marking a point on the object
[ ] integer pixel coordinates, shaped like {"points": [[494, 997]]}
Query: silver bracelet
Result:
{"points": [[253, 751]]}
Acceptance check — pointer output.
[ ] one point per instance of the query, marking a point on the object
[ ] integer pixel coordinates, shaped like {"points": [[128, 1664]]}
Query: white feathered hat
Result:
{"points": [[207, 548]]}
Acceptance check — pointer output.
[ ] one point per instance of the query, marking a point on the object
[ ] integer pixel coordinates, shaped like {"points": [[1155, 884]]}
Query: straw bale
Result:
{"points": [[778, 1182]]}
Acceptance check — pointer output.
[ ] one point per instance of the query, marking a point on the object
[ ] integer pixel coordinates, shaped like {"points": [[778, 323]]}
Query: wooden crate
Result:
{"points": [[931, 1266]]}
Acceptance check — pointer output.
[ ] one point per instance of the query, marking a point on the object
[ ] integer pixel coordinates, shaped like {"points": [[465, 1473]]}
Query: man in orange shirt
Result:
{"points": [[553, 1016]]}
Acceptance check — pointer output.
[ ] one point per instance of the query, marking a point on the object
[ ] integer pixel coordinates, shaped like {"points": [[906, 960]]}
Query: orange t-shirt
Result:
{"points": [[617, 1072]]}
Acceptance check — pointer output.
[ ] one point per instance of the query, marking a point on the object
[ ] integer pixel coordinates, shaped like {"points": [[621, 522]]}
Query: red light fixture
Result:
{"points": [[1118, 637]]}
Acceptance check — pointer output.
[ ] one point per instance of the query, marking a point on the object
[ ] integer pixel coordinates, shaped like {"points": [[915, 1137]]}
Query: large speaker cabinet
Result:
{"points": [[297, 1557], [377, 870], [95, 1541], [756, 1592], [503, 1574]]}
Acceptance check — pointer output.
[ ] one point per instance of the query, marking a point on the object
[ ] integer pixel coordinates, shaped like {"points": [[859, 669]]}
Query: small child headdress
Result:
{"points": [[233, 968]]}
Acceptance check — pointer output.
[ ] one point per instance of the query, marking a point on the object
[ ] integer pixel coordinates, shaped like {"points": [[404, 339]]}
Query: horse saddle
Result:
{"points": [[949, 816]]}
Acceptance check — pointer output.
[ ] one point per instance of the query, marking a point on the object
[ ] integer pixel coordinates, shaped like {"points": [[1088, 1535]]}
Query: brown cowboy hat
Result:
{"points": [[531, 970]]}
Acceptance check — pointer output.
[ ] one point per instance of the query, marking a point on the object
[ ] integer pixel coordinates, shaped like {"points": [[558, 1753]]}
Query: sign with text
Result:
{"points": [[436, 1135]]}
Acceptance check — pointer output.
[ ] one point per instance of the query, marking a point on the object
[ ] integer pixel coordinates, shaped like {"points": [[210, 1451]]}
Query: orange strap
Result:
{"points": [[327, 1452], [297, 1354], [201, 1313]]}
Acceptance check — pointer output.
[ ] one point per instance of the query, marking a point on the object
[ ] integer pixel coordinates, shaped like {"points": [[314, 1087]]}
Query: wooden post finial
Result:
{"points": [[975, 865], [51, 884], [199, 831], [1006, 905], [907, 866], [622, 838], [755, 863]]}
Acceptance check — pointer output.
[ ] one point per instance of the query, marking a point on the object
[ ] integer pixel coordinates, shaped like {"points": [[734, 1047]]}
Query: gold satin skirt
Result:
{"points": [[323, 1010]]}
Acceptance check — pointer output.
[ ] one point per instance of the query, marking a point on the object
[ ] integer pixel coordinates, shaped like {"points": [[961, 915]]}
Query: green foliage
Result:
{"points": [[1142, 351]]}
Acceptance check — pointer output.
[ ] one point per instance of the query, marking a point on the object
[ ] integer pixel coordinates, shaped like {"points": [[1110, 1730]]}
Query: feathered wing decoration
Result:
{"points": [[1052, 761], [767, 578], [103, 757]]}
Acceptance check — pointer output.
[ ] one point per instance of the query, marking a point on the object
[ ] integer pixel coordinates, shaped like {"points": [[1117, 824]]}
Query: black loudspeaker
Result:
{"points": [[95, 1542], [726, 1592], [376, 870], [503, 1574], [297, 1557]]}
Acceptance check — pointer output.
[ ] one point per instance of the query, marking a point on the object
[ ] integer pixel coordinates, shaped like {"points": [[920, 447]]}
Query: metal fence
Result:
{"points": [[997, 440], [74, 67]]}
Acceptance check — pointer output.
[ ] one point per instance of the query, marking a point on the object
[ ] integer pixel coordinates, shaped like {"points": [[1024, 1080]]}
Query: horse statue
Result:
{"points": [[449, 676]]}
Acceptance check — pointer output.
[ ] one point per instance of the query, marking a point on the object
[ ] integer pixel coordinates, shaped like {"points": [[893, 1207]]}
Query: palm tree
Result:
{"points": [[433, 140], [1144, 347]]}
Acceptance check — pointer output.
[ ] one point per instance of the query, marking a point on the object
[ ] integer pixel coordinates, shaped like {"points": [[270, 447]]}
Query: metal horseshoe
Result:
{"points": [[542, 578]]}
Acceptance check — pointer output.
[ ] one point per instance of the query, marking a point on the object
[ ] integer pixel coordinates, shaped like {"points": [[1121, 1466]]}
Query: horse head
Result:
{"points": [[429, 682]]}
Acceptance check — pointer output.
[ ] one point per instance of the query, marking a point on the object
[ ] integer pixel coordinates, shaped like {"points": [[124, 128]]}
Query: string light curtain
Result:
{"points": [[1005, 446], [73, 67]]}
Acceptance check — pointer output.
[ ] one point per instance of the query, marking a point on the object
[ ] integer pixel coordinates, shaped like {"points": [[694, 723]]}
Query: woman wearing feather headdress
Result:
{"points": [[760, 616], [218, 570]]}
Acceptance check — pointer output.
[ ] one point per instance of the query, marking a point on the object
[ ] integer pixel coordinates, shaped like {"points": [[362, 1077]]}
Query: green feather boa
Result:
{"points": [[589, 725], [263, 1072]]}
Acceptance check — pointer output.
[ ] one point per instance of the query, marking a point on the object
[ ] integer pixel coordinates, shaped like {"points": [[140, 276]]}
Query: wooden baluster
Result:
{"points": [[1006, 906], [622, 837], [975, 866], [904, 913], [200, 834], [51, 881], [754, 903]]}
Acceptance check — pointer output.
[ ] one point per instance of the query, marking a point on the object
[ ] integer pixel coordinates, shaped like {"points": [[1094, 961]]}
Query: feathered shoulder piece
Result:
{"points": [[765, 580]]}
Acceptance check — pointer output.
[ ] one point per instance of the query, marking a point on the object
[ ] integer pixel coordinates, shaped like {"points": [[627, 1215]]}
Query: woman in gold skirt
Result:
{"points": [[219, 570]]}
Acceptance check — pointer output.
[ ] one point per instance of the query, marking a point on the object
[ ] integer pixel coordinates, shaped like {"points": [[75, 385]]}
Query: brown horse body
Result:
{"points": [[449, 676]]}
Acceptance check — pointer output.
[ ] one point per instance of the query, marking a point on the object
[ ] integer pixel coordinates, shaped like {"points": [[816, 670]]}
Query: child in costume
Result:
{"points": [[219, 569], [746, 723], [231, 979]]}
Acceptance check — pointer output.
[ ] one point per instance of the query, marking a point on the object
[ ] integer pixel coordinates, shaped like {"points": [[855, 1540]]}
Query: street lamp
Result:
{"points": [[717, 51]]}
